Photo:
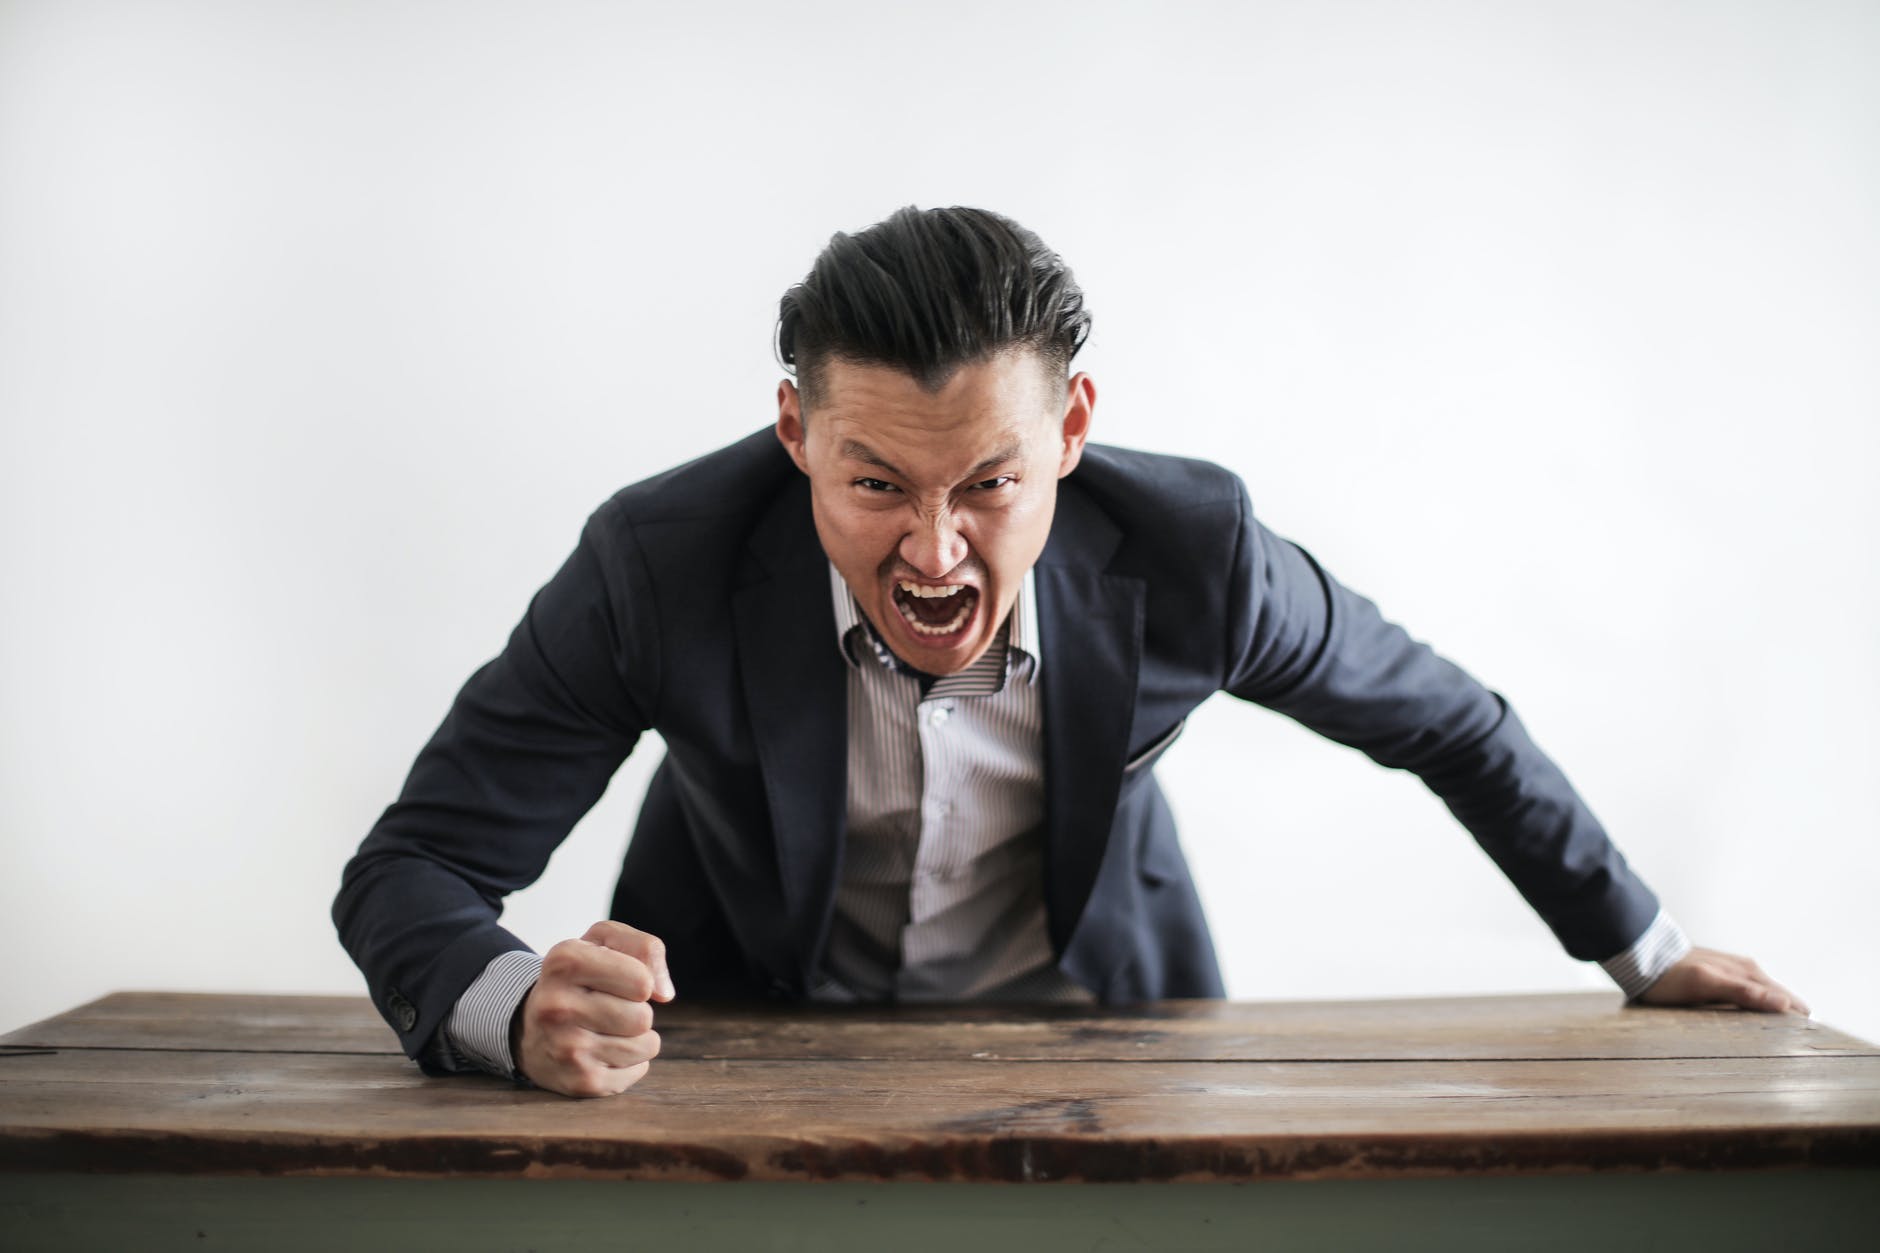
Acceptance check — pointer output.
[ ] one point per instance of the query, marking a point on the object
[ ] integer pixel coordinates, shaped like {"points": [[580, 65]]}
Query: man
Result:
{"points": [[914, 655]]}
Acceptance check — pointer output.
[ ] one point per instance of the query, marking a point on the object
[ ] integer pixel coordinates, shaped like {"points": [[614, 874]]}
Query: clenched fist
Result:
{"points": [[586, 1026]]}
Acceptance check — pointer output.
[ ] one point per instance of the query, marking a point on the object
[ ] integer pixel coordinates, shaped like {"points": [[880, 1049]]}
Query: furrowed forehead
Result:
{"points": [[1001, 452]]}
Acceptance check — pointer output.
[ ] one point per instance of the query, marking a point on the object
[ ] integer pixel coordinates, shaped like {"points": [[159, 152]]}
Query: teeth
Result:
{"points": [[931, 593], [951, 625]]}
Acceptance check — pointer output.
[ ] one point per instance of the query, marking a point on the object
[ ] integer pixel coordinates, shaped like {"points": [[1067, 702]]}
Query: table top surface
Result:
{"points": [[1172, 1090]]}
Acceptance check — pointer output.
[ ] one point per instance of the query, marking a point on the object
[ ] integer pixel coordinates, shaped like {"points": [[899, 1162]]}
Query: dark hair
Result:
{"points": [[927, 291]]}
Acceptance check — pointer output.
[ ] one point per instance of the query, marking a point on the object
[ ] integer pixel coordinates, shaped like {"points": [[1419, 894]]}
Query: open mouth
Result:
{"points": [[935, 612]]}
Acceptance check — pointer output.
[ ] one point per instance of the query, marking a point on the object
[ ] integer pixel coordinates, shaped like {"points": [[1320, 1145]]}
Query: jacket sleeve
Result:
{"points": [[527, 747], [1304, 645]]}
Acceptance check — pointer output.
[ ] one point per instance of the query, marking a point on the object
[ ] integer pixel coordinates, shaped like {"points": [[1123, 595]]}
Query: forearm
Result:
{"points": [[419, 933], [526, 748], [1530, 821], [1312, 649]]}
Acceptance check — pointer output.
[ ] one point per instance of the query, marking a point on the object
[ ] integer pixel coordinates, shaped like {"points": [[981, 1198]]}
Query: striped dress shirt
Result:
{"points": [[941, 895], [942, 889]]}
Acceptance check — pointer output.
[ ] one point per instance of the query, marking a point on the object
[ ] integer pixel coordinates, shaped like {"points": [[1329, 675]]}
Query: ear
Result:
{"points": [[791, 432], [1078, 407]]}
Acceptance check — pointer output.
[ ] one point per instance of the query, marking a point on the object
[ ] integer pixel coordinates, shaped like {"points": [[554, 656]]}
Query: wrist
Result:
{"points": [[515, 1038], [1660, 947]]}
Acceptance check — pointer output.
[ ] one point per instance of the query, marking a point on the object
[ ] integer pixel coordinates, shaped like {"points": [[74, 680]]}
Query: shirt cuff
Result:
{"points": [[477, 1030], [1661, 947]]}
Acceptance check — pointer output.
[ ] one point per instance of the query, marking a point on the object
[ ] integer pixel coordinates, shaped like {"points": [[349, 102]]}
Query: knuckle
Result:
{"points": [[562, 960], [607, 1081], [639, 981]]}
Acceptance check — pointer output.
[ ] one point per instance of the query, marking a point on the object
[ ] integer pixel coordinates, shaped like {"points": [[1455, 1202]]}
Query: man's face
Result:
{"points": [[933, 505]]}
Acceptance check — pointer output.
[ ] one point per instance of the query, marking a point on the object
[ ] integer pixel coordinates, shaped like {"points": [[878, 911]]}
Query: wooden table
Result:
{"points": [[170, 1120]]}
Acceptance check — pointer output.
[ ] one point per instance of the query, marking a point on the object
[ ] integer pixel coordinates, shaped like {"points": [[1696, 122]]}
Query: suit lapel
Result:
{"points": [[797, 693], [1091, 625]]}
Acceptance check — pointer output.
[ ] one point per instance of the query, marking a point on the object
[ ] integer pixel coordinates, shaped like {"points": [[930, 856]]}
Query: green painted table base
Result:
{"points": [[1712, 1211]]}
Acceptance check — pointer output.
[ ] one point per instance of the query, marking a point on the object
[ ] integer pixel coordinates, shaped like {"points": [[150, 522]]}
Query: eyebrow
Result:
{"points": [[855, 450]]}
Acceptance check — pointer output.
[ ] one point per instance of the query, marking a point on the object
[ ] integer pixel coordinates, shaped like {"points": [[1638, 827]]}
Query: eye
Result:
{"points": [[992, 485], [875, 485]]}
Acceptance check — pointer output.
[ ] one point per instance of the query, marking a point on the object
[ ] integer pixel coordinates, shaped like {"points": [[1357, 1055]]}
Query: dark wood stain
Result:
{"points": [[1435, 1028], [1174, 1091]]}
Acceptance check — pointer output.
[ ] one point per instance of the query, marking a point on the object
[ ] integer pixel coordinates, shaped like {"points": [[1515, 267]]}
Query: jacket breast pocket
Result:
{"points": [[1140, 763]]}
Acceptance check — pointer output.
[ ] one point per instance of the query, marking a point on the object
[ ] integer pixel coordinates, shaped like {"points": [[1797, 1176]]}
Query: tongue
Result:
{"points": [[934, 610]]}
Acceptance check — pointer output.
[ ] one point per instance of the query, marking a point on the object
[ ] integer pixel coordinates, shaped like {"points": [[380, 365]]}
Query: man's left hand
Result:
{"points": [[1704, 976]]}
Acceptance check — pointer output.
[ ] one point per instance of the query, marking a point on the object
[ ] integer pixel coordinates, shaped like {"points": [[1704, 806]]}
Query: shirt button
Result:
{"points": [[939, 715]]}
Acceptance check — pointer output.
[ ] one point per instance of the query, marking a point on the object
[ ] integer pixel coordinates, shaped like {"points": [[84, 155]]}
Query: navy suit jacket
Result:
{"points": [[696, 605]]}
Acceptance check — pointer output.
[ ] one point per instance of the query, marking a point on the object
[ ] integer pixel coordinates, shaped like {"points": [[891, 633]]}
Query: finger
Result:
{"points": [[619, 1081], [1758, 991], [585, 1053], [1771, 995], [622, 1051], [571, 1006], [593, 1081], [1791, 1003], [1757, 996], [615, 974], [584, 964], [638, 944], [568, 1050], [606, 1014]]}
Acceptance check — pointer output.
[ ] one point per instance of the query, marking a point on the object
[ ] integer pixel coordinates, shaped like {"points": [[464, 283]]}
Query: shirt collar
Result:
{"points": [[1020, 630]]}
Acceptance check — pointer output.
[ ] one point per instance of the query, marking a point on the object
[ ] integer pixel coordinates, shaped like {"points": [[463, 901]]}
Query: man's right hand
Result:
{"points": [[587, 1029]]}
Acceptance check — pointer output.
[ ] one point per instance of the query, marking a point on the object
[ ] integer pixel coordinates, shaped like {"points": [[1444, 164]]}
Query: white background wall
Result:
{"points": [[1550, 327]]}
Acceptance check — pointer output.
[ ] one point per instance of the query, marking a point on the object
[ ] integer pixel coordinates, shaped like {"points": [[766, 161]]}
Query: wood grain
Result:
{"points": [[1561, 1025], [1194, 1090], [304, 1114]]}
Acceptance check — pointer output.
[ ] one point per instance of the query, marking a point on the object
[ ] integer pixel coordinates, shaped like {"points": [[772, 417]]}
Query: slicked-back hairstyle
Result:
{"points": [[927, 291]]}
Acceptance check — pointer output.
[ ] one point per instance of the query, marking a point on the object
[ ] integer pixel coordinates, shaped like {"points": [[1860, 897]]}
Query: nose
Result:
{"points": [[934, 546]]}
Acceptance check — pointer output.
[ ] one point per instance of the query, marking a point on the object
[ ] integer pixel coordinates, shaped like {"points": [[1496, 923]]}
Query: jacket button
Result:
{"points": [[402, 1012]]}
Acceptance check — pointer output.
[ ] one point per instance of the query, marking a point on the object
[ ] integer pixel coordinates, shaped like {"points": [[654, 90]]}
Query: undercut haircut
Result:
{"points": [[927, 291]]}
